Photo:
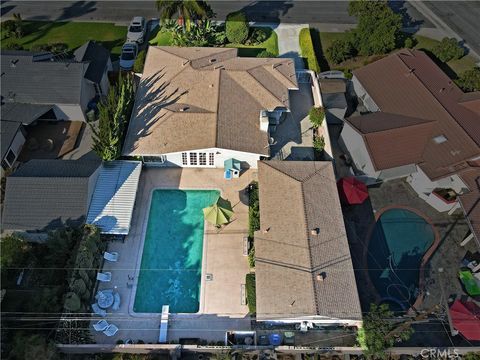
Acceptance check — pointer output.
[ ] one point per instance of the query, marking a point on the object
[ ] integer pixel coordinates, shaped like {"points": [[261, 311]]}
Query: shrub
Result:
{"points": [[140, 61], [316, 115], [265, 54], [15, 252], [13, 46], [54, 47], [18, 31], [251, 293], [258, 36], [253, 210], [237, 27], [7, 28], [251, 257], [319, 143], [448, 49], [340, 50], [469, 80], [306, 46], [409, 42]]}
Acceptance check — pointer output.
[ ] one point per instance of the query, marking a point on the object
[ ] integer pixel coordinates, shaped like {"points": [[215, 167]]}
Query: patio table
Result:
{"points": [[105, 300]]}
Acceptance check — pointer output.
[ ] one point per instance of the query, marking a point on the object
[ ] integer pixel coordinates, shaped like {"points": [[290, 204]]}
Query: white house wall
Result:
{"points": [[364, 96], [69, 112]]}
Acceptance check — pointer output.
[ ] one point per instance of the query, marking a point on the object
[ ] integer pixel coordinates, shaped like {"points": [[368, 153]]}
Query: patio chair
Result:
{"points": [[101, 325], [98, 311], [113, 256], [116, 301], [111, 330], [104, 277]]}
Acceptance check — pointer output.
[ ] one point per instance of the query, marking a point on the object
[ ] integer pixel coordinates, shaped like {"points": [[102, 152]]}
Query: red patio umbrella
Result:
{"points": [[352, 191], [465, 317]]}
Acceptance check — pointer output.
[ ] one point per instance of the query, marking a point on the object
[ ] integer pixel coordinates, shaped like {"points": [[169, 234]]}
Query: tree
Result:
{"points": [[341, 50], [265, 54], [140, 61], [316, 115], [375, 336], [319, 143], [114, 113], [448, 49], [15, 252], [205, 33], [237, 27], [378, 29], [469, 80], [186, 10], [72, 302], [32, 347]]}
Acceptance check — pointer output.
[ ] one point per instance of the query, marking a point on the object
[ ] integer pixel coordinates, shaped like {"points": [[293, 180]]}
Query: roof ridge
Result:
{"points": [[263, 86]]}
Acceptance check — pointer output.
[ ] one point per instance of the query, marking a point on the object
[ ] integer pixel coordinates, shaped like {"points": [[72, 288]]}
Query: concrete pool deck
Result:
{"points": [[223, 308]]}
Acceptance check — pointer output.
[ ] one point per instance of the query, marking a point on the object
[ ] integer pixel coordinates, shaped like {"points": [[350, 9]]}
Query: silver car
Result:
{"points": [[129, 53], [136, 30]]}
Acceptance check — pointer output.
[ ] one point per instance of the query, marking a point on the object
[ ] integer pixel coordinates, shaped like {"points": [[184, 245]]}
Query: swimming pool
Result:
{"points": [[395, 251], [171, 268]]}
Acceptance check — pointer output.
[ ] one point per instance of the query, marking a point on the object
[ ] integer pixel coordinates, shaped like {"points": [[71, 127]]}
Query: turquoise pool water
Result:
{"points": [[398, 243], [170, 273]]}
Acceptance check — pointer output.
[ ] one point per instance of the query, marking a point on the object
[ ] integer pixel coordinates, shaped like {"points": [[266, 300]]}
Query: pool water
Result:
{"points": [[395, 251], [171, 268]]}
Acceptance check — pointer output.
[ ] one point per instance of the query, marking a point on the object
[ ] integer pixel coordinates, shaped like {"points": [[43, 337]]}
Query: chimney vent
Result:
{"points": [[315, 231], [321, 277], [184, 108]]}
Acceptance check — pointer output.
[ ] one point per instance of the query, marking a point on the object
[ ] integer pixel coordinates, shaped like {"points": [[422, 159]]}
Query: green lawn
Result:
{"points": [[452, 68], [163, 38], [74, 34]]}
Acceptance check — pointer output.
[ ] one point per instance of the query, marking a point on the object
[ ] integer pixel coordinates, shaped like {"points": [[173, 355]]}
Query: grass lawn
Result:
{"points": [[452, 68], [162, 38], [74, 34]]}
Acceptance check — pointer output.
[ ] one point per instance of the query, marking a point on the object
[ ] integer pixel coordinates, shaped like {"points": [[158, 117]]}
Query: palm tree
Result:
{"points": [[186, 10]]}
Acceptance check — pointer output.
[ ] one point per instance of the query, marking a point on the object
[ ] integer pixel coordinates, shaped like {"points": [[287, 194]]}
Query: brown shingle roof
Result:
{"points": [[408, 83], [194, 98], [295, 198], [471, 201]]}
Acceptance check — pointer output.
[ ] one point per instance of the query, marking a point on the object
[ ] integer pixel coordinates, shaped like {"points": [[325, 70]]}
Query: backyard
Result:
{"points": [[323, 40], [72, 34]]}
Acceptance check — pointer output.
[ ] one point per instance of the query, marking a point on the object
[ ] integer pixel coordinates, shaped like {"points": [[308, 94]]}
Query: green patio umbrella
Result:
{"points": [[219, 213]]}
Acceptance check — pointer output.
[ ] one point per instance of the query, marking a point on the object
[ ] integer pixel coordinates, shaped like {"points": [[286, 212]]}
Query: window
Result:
{"points": [[155, 159], [184, 159], [202, 159], [10, 157], [440, 139], [211, 159], [193, 158]]}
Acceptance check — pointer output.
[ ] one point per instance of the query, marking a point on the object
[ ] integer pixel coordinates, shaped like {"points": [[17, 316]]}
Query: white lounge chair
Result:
{"points": [[104, 277], [98, 311], [111, 330], [101, 325], [116, 301], [113, 256]]}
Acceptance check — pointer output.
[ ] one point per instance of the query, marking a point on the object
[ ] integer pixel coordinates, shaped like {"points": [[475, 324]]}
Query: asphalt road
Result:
{"points": [[463, 17]]}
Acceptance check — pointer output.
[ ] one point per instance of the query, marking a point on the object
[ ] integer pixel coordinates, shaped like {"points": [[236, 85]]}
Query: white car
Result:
{"points": [[129, 53], [136, 30]]}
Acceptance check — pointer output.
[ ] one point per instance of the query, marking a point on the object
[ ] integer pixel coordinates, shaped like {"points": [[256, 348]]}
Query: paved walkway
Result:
{"points": [[288, 44]]}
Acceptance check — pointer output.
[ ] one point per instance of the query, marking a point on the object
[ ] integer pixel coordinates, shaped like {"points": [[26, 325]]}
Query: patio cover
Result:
{"points": [[352, 191], [112, 203], [466, 319]]}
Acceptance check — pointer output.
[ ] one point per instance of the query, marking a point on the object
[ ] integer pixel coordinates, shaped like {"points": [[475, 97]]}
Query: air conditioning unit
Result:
{"points": [[264, 121]]}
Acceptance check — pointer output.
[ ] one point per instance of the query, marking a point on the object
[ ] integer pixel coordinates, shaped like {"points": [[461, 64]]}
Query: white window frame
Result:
{"points": [[184, 158], [202, 159], [193, 159], [211, 159]]}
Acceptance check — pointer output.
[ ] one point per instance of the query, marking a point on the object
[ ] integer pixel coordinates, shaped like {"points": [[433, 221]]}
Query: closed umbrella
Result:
{"points": [[219, 213], [352, 191]]}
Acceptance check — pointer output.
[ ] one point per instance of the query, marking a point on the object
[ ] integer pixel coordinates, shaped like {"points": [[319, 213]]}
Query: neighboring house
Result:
{"points": [[415, 123], [197, 107], [334, 99], [47, 194], [303, 266], [40, 88]]}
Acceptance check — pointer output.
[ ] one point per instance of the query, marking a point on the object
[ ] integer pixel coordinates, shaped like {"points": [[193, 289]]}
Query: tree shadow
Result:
{"points": [[319, 51], [444, 66], [399, 7], [77, 9], [266, 11]]}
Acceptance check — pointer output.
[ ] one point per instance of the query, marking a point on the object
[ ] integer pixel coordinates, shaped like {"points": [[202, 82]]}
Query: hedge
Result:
{"points": [[251, 293], [236, 27], [140, 61], [308, 52], [253, 210]]}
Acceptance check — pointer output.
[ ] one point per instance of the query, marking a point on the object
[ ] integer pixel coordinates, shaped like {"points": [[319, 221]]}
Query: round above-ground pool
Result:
{"points": [[395, 251]]}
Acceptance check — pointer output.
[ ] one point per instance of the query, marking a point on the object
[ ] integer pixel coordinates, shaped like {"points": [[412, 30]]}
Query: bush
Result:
{"points": [[13, 46], [140, 61], [265, 54], [319, 143], [341, 50], [251, 257], [258, 36], [237, 27], [448, 49], [470, 80], [306, 46], [15, 252], [54, 47], [251, 293], [8, 28], [409, 42], [316, 115], [253, 210]]}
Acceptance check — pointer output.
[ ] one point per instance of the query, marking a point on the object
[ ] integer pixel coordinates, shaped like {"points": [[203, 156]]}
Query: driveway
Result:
{"points": [[288, 44]]}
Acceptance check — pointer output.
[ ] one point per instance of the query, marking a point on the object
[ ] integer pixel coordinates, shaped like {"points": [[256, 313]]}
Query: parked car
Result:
{"points": [[136, 30], [129, 53]]}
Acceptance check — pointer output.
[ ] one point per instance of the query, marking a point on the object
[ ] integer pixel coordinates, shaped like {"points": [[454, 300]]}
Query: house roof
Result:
{"points": [[46, 194], [471, 101], [410, 84], [22, 112], [332, 86], [113, 200], [195, 98], [8, 130], [471, 201], [288, 257], [26, 80], [393, 140], [96, 56]]}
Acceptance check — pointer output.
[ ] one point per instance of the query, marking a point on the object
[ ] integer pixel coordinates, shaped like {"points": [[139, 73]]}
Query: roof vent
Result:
{"points": [[442, 90], [266, 230], [13, 63], [274, 66], [185, 62], [315, 231], [212, 60], [321, 277], [219, 66], [184, 108], [11, 95], [210, 86]]}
